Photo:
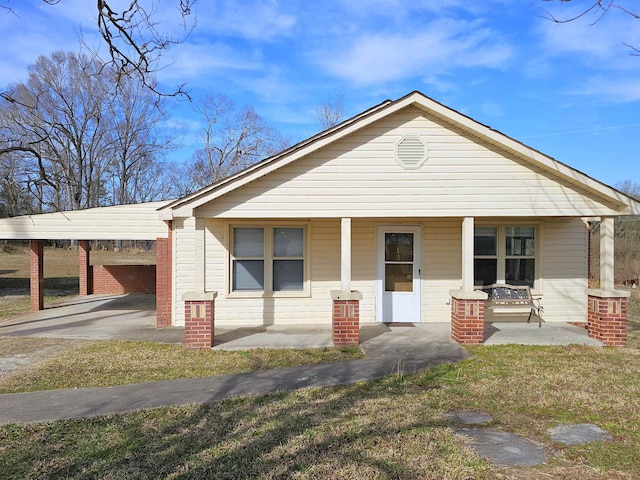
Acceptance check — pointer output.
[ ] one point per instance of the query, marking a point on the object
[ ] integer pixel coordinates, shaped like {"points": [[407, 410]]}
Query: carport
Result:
{"points": [[121, 222]]}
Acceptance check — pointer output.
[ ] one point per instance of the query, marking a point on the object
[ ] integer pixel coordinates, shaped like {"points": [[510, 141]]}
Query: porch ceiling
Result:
{"points": [[122, 222]]}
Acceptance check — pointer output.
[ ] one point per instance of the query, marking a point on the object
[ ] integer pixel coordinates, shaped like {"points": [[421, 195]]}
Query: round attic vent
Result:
{"points": [[411, 151]]}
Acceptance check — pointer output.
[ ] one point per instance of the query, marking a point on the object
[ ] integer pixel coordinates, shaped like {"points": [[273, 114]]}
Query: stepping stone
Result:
{"points": [[579, 433], [504, 449], [469, 417]]}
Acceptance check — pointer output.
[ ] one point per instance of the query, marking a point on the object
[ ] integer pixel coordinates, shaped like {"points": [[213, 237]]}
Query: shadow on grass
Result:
{"points": [[328, 432], [53, 286]]}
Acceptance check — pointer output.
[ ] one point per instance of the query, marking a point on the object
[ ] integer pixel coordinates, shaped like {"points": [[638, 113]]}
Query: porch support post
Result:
{"points": [[607, 273], [345, 255], [84, 268], [467, 254], [200, 255], [607, 307], [467, 304], [164, 283], [345, 315], [199, 315], [36, 274]]}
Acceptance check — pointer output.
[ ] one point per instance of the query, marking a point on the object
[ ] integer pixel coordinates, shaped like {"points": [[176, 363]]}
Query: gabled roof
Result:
{"points": [[184, 207]]}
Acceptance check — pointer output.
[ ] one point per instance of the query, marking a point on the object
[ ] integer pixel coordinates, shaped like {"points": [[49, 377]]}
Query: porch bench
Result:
{"points": [[515, 299]]}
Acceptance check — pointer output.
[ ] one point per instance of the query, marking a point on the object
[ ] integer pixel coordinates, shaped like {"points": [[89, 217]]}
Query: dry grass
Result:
{"points": [[107, 363], [391, 428], [394, 428]]}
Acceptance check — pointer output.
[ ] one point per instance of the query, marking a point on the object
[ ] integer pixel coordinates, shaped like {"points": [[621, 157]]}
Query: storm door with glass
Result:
{"points": [[399, 274]]}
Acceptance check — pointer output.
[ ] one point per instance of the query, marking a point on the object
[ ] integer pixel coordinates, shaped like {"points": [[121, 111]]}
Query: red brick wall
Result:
{"points": [[198, 324], [607, 320], [467, 321], [117, 279], [84, 269], [36, 274], [346, 323], [163, 280]]}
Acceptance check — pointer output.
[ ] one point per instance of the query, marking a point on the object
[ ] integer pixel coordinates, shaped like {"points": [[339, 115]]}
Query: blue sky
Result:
{"points": [[571, 91]]}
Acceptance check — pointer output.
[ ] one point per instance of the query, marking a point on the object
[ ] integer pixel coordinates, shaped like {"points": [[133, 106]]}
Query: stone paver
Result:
{"points": [[470, 417], [504, 449], [509, 450], [577, 434]]}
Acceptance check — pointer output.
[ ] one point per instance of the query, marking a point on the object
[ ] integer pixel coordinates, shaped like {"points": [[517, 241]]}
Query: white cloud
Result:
{"points": [[608, 90], [591, 38], [196, 62], [436, 48], [255, 20]]}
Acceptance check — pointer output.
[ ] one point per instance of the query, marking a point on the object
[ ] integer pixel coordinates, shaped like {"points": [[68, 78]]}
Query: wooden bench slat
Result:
{"points": [[516, 298]]}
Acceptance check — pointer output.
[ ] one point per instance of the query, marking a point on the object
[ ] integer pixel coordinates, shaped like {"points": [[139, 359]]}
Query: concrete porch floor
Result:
{"points": [[132, 317]]}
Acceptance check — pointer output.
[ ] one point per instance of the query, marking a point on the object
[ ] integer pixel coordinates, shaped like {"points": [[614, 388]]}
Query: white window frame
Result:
{"points": [[501, 250], [269, 257]]}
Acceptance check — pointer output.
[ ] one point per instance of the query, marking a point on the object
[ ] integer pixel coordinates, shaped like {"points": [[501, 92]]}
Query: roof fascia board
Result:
{"points": [[609, 194]]}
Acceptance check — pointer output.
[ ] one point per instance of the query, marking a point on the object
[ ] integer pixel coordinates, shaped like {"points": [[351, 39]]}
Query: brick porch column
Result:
{"points": [[467, 317], [36, 274], [607, 316], [163, 280], [84, 269], [345, 325], [199, 320]]}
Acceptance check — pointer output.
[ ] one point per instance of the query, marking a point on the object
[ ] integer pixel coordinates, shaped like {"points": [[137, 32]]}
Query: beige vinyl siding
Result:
{"points": [[315, 308], [441, 267], [364, 266], [441, 262], [184, 261], [562, 279], [121, 222], [564, 270], [358, 177]]}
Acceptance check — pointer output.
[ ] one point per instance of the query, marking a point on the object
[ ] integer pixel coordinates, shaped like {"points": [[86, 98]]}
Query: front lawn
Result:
{"points": [[390, 428]]}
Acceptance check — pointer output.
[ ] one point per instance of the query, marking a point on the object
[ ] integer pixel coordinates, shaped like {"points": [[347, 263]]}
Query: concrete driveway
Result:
{"points": [[96, 317]]}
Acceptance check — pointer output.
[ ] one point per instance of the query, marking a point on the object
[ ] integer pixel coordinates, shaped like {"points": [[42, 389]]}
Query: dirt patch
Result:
{"points": [[18, 353]]}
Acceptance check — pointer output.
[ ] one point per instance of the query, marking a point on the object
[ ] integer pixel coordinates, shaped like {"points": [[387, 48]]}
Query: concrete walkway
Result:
{"points": [[389, 350]]}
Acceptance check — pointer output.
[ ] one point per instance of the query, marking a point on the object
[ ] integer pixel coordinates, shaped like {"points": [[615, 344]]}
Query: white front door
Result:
{"points": [[399, 271]]}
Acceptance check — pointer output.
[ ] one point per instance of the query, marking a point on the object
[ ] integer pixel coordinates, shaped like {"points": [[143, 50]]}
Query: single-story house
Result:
{"points": [[395, 215]]}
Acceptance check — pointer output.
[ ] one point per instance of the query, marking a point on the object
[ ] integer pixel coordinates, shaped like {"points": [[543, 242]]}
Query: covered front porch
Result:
{"points": [[437, 256], [132, 318]]}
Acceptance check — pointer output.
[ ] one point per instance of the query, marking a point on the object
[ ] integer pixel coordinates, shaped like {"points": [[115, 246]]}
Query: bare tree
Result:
{"points": [[630, 188], [135, 114], [331, 111], [73, 131], [133, 38], [233, 138], [598, 9], [627, 240]]}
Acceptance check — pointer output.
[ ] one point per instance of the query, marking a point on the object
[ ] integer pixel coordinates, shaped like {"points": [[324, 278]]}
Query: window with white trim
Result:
{"points": [[505, 254], [268, 259]]}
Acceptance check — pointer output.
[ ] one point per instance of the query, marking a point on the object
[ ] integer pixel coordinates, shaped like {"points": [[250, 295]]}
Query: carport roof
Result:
{"points": [[122, 222]]}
